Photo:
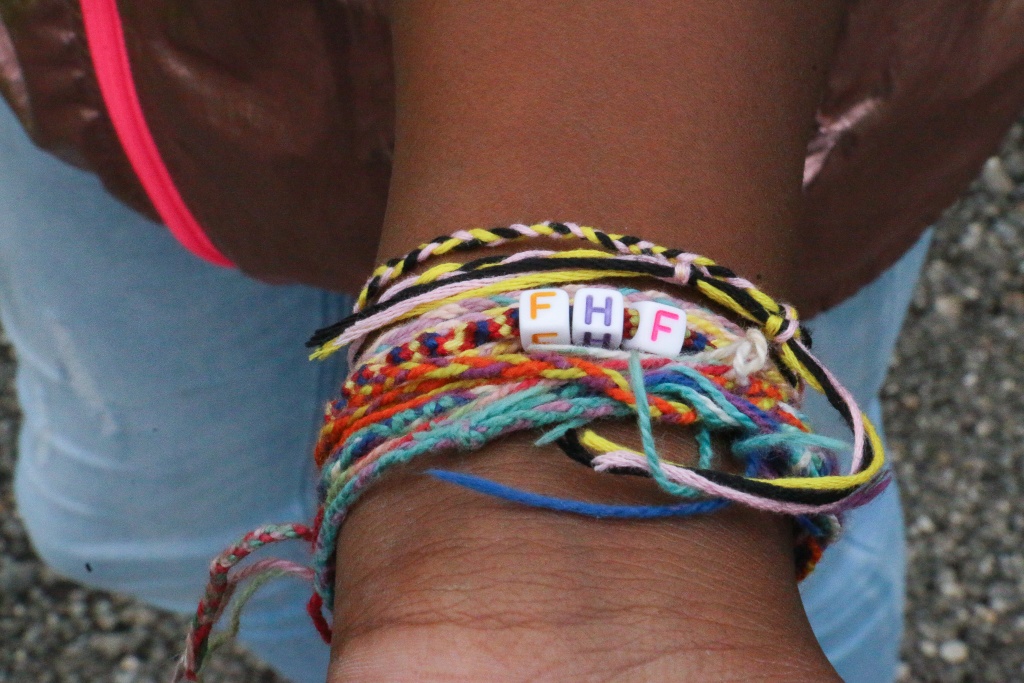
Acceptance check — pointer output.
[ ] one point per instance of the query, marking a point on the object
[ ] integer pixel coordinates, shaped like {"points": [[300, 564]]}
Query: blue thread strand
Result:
{"points": [[576, 507]]}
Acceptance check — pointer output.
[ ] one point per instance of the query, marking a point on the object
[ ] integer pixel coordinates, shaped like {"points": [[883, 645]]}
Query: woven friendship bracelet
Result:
{"points": [[465, 240], [778, 321], [502, 325], [437, 363], [739, 296], [633, 258], [393, 409], [381, 381]]}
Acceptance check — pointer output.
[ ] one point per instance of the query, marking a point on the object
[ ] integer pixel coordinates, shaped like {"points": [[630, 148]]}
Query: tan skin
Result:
{"points": [[685, 123]]}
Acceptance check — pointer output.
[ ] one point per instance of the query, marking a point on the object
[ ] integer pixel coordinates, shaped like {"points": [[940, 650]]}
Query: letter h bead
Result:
{"points": [[597, 317], [662, 329], [543, 317]]}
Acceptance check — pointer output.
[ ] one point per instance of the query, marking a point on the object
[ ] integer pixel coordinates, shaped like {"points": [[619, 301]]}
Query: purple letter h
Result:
{"points": [[607, 310]]}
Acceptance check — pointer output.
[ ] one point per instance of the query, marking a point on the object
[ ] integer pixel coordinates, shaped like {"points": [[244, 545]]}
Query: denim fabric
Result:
{"points": [[168, 405], [855, 597]]}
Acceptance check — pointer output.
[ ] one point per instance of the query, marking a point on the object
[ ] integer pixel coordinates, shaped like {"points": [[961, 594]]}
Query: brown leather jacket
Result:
{"points": [[275, 117]]}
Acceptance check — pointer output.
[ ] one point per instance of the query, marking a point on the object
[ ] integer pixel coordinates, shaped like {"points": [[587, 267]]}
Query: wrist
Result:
{"points": [[464, 587]]}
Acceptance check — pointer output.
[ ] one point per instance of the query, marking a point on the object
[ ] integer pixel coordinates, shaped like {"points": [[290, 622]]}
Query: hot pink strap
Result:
{"points": [[105, 35]]}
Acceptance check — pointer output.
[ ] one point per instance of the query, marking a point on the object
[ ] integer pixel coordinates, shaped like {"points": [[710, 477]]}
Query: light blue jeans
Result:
{"points": [[169, 408]]}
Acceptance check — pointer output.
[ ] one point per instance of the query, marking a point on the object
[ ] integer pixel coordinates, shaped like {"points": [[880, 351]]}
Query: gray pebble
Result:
{"points": [[108, 645], [16, 578], [103, 615], [1015, 165], [995, 177], [949, 307], [954, 652]]}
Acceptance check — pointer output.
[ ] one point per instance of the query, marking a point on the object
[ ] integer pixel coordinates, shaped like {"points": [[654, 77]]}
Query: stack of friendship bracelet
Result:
{"points": [[460, 354]]}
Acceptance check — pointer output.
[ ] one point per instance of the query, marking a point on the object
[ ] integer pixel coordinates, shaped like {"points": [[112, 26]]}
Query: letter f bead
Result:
{"points": [[543, 317], [661, 330]]}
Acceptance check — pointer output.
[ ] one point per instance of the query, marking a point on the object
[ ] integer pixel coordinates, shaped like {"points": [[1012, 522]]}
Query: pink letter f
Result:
{"points": [[658, 327]]}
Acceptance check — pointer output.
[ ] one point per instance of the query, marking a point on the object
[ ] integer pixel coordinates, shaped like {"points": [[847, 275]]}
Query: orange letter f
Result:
{"points": [[534, 306]]}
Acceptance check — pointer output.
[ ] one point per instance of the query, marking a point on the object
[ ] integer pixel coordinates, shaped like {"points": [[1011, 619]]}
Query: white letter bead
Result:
{"points": [[662, 329], [597, 317], [543, 317]]}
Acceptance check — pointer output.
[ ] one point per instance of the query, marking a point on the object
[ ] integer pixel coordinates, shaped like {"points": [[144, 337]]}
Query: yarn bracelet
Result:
{"points": [[540, 268], [778, 322], [438, 363], [819, 492], [393, 410], [466, 240]]}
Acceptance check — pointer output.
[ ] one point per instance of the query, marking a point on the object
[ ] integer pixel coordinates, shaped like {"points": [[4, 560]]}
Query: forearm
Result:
{"points": [[684, 124]]}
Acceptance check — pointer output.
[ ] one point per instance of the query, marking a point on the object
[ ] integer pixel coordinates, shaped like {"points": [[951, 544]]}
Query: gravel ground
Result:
{"points": [[953, 415], [954, 408]]}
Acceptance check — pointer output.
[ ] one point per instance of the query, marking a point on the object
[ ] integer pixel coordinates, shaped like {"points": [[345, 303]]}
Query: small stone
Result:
{"points": [[103, 615], [16, 577], [108, 645], [950, 587], [139, 616], [987, 615], [125, 677], [78, 610], [1013, 302], [130, 663], [954, 652], [1006, 231], [1015, 165], [995, 177], [928, 648], [128, 670], [1016, 215], [971, 238], [911, 401], [984, 428], [1000, 605], [949, 307], [924, 525]]}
